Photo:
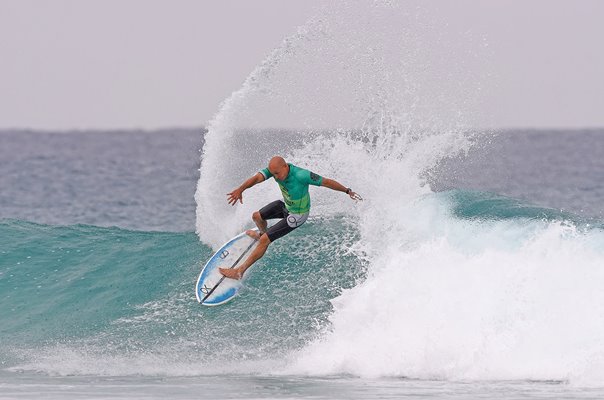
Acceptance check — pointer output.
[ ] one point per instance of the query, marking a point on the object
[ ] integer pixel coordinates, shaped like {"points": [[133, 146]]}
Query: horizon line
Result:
{"points": [[204, 128]]}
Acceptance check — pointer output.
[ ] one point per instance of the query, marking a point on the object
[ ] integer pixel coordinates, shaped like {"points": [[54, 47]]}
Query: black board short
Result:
{"points": [[288, 222]]}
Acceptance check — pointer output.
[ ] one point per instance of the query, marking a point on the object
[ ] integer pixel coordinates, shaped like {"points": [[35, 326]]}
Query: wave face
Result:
{"points": [[66, 282], [107, 301]]}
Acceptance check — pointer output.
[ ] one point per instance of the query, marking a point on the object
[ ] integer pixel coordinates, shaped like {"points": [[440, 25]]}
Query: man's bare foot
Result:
{"points": [[232, 273], [253, 234]]}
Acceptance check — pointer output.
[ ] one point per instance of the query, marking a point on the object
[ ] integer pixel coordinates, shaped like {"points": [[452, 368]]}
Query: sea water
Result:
{"points": [[472, 269], [481, 295]]}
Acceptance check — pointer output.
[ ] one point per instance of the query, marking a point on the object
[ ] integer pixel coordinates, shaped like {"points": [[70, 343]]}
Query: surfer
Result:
{"points": [[293, 210]]}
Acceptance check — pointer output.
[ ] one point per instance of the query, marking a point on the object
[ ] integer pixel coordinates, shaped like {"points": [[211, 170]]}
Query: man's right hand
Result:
{"points": [[235, 195]]}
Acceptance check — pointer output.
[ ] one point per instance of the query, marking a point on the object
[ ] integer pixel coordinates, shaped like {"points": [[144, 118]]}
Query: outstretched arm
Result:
{"points": [[335, 185], [237, 194]]}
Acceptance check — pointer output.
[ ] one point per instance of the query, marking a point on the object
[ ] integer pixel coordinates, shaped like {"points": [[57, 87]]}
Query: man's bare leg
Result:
{"points": [[260, 223], [237, 273]]}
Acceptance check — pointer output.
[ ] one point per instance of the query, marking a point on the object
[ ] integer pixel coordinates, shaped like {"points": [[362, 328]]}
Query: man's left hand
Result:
{"points": [[355, 196]]}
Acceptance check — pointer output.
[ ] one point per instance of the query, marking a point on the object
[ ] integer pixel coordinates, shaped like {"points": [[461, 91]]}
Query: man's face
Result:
{"points": [[280, 171]]}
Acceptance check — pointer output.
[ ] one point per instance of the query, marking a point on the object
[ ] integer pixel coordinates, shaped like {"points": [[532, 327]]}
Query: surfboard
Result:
{"points": [[213, 288]]}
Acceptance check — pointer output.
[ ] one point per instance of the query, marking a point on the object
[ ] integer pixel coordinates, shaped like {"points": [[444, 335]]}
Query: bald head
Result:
{"points": [[276, 162], [278, 167]]}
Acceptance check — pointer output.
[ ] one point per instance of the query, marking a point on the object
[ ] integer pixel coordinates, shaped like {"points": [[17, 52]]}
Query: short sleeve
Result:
{"points": [[267, 174], [311, 178]]}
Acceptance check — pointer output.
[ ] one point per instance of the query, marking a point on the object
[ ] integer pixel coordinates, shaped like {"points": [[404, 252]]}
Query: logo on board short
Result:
{"points": [[295, 221], [314, 176]]}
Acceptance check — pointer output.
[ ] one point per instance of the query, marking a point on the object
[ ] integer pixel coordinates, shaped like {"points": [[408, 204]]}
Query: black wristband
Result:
{"points": [[348, 190]]}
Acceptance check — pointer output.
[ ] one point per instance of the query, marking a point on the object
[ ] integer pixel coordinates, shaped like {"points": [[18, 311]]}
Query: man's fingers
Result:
{"points": [[355, 196], [232, 199]]}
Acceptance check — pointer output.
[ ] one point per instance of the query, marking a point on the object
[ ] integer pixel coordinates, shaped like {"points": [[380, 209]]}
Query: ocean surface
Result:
{"points": [[487, 285], [473, 269]]}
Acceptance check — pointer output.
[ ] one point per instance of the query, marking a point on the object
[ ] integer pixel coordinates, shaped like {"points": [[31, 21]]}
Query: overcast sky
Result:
{"points": [[147, 63]]}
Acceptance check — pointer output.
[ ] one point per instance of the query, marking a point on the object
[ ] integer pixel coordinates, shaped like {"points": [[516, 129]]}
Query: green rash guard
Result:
{"points": [[295, 188]]}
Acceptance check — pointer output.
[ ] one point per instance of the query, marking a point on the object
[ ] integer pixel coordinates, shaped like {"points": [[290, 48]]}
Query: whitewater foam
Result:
{"points": [[483, 300]]}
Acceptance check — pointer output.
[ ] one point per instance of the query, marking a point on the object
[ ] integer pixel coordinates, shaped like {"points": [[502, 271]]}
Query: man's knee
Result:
{"points": [[256, 216], [264, 240]]}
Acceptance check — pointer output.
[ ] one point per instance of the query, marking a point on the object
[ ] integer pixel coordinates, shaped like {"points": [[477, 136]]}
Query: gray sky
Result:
{"points": [[148, 63]]}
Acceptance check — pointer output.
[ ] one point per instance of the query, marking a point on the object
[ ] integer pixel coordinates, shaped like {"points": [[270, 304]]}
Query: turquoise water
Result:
{"points": [[61, 283], [480, 295], [94, 312], [65, 282], [109, 292], [101, 301]]}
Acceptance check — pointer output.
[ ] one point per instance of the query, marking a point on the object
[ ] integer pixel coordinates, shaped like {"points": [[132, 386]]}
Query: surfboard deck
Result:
{"points": [[212, 288]]}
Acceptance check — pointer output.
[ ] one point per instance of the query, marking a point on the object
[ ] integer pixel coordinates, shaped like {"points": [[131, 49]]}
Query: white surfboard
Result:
{"points": [[213, 288]]}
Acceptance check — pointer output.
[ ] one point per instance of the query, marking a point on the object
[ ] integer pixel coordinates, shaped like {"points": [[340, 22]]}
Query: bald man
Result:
{"points": [[292, 211]]}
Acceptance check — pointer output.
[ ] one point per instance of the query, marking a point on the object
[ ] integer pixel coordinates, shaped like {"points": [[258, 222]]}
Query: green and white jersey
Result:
{"points": [[295, 188]]}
